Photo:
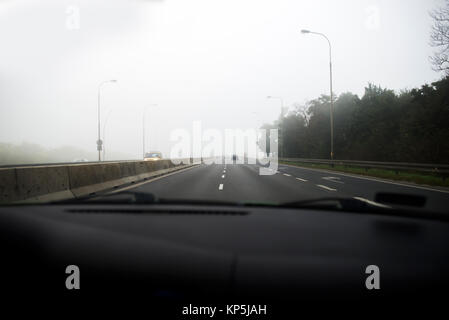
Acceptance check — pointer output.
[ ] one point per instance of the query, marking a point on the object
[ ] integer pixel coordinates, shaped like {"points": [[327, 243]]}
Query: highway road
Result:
{"points": [[242, 183]]}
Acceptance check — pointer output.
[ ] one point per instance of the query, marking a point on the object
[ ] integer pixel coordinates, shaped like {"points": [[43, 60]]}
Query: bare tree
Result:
{"points": [[439, 38], [301, 109]]}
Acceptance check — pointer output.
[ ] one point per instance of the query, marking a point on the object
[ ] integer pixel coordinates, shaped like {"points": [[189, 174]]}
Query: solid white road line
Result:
{"points": [[220, 187], [151, 180], [303, 180], [327, 188]]}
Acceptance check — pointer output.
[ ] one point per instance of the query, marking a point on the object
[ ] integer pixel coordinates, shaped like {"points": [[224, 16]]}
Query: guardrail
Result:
{"points": [[439, 169], [60, 163], [21, 165]]}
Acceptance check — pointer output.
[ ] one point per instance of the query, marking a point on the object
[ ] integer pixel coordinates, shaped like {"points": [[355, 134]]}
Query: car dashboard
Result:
{"points": [[215, 253]]}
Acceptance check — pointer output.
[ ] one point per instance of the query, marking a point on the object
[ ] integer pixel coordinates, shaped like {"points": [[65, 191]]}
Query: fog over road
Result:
{"points": [[242, 183]]}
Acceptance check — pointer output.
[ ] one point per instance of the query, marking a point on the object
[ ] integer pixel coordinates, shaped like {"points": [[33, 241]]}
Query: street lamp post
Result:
{"points": [[143, 127], [99, 141], [331, 95], [282, 114], [104, 134]]}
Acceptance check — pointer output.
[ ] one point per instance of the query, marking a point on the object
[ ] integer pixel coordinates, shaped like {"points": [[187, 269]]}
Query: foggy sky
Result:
{"points": [[209, 60]]}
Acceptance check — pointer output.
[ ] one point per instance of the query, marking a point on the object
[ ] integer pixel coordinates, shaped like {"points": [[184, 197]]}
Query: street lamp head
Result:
{"points": [[274, 97], [304, 31]]}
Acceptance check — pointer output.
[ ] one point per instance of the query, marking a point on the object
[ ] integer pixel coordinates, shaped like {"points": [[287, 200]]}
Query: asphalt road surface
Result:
{"points": [[242, 183]]}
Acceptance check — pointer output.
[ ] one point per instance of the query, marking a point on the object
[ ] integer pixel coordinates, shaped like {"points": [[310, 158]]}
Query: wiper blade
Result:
{"points": [[361, 205], [355, 205], [126, 197], [343, 204], [132, 197], [198, 202]]}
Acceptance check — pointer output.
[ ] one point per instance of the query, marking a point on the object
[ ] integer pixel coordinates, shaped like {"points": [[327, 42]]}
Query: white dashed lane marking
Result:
{"points": [[220, 187], [327, 188], [333, 179], [303, 180]]}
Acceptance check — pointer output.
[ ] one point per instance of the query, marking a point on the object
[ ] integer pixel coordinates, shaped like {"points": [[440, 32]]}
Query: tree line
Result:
{"points": [[382, 125]]}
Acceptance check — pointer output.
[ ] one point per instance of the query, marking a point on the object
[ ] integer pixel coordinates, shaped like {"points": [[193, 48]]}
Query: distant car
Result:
{"points": [[80, 160], [234, 157], [153, 156]]}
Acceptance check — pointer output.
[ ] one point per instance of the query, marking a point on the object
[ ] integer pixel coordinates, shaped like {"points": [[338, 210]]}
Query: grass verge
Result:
{"points": [[414, 177]]}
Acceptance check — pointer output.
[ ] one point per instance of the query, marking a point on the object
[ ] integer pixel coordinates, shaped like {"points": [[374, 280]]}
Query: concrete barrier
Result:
{"points": [[58, 182], [34, 183], [109, 176]]}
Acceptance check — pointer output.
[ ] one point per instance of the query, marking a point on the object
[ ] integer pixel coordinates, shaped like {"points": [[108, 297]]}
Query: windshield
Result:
{"points": [[255, 102]]}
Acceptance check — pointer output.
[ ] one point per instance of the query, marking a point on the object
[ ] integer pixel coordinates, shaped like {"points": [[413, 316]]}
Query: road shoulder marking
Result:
{"points": [[151, 180]]}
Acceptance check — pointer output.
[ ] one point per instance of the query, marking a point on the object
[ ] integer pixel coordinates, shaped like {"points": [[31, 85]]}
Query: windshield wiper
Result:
{"points": [[125, 197], [354, 205], [336, 203], [134, 197], [361, 205]]}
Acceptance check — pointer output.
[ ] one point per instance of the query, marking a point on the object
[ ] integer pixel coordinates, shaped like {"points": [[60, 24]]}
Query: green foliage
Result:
{"points": [[411, 126]]}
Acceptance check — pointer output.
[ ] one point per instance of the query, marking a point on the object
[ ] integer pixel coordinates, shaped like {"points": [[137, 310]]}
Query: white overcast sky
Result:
{"points": [[209, 60]]}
